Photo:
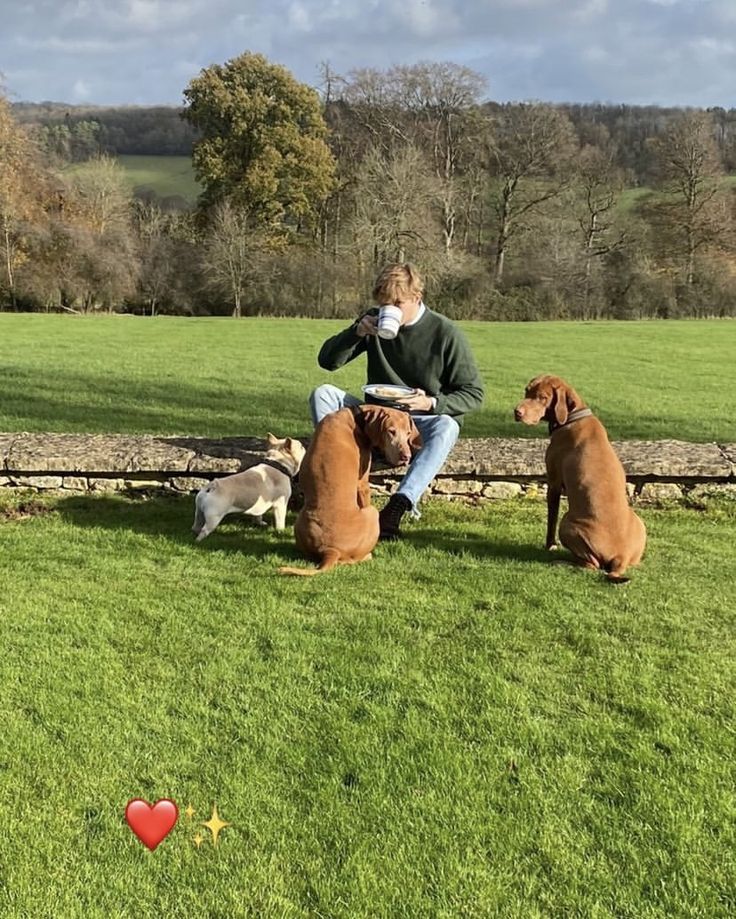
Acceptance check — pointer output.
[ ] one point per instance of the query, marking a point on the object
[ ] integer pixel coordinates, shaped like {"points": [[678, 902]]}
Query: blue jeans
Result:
{"points": [[439, 433]]}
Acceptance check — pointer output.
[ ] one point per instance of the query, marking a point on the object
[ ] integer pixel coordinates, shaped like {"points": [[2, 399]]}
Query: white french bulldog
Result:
{"points": [[253, 491]]}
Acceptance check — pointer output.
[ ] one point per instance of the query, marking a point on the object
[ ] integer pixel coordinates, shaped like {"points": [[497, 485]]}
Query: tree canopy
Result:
{"points": [[262, 142]]}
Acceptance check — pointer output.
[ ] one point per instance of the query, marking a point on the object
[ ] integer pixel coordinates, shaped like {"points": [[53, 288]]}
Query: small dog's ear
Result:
{"points": [[415, 438], [272, 439]]}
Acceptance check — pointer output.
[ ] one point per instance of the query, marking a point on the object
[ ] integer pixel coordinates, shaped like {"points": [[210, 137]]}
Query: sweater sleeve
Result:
{"points": [[462, 387], [341, 348]]}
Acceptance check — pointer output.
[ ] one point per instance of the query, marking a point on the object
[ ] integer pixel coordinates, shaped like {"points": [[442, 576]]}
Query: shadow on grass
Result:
{"points": [[160, 406], [171, 517], [478, 546]]}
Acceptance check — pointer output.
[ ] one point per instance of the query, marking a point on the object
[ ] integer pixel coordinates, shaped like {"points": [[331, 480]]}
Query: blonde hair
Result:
{"points": [[398, 282]]}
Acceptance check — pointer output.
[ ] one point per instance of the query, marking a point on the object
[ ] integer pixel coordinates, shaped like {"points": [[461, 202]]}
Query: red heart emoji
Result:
{"points": [[151, 823]]}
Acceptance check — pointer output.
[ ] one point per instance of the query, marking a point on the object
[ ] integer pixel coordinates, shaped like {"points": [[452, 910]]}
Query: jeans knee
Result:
{"points": [[447, 428], [324, 400], [324, 393]]}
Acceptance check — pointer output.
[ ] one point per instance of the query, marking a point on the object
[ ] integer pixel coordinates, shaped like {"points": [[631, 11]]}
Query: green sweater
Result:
{"points": [[432, 354]]}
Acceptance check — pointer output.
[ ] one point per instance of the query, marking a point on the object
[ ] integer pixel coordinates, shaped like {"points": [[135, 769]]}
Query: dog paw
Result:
{"points": [[552, 547]]}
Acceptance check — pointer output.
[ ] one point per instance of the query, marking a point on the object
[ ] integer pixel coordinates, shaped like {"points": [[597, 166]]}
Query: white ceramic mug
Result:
{"points": [[389, 321]]}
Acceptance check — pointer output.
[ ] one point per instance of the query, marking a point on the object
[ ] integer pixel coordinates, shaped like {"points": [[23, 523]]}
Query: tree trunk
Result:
{"points": [[9, 264], [592, 230], [503, 236]]}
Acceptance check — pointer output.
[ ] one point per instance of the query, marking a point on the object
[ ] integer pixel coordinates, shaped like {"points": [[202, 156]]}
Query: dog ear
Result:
{"points": [[373, 416], [415, 438], [560, 406], [272, 439]]}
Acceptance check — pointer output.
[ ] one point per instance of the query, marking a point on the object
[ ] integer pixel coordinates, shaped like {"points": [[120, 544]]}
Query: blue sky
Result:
{"points": [[666, 52]]}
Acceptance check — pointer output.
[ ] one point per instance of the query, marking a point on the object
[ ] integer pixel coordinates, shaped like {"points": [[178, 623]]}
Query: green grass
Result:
{"points": [[458, 728], [213, 377], [166, 175]]}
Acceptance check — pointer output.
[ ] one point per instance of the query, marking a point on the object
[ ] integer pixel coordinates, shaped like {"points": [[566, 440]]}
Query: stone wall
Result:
{"points": [[478, 468]]}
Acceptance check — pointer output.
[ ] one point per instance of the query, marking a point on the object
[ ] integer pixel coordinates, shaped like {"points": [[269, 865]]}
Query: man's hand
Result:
{"points": [[368, 325], [419, 402]]}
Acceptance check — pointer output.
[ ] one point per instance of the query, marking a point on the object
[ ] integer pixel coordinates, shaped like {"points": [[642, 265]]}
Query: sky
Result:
{"points": [[144, 52]]}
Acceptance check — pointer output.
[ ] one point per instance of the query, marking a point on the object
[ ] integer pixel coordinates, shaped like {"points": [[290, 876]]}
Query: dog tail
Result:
{"points": [[615, 571], [330, 557]]}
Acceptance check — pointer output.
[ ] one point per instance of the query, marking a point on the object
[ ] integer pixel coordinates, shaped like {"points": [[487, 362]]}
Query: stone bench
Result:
{"points": [[477, 469]]}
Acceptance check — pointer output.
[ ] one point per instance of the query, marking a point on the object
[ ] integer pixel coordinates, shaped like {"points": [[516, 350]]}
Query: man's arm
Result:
{"points": [[346, 345], [462, 387]]}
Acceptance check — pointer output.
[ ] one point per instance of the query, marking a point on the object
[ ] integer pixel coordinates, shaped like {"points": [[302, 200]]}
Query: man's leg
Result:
{"points": [[439, 433], [326, 399]]}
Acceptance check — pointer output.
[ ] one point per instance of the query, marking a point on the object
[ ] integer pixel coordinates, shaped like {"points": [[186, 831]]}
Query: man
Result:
{"points": [[429, 354]]}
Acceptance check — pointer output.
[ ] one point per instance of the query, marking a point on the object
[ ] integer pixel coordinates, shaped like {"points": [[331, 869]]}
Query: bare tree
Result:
{"points": [[691, 210], [393, 217], [598, 185], [529, 153], [234, 251]]}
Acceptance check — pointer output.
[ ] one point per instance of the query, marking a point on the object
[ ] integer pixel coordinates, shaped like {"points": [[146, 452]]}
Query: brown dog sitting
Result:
{"points": [[338, 525], [600, 528]]}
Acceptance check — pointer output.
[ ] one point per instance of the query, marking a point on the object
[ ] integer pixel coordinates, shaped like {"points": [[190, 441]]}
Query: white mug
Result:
{"points": [[389, 321]]}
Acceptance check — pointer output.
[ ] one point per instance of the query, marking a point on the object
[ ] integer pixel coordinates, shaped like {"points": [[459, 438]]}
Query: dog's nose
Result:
{"points": [[518, 413]]}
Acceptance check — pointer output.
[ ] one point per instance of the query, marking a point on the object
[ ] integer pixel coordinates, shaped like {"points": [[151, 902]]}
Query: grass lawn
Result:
{"points": [[458, 728], [646, 380]]}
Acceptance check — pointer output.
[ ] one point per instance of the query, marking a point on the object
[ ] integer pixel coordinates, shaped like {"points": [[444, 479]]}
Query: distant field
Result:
{"points": [[171, 375], [166, 175], [174, 175]]}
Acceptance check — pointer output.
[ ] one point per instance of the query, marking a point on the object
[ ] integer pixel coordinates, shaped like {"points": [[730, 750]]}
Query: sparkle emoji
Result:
{"points": [[215, 825]]}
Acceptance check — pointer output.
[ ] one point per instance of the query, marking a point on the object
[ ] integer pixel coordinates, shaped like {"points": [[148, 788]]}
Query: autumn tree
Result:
{"points": [[97, 211], [262, 142], [22, 185]]}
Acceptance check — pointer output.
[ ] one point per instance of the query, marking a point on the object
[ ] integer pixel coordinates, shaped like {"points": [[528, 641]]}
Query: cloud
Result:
{"points": [[145, 51]]}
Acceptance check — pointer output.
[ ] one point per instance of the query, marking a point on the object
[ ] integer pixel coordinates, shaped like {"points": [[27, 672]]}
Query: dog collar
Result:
{"points": [[577, 415], [275, 464], [573, 416]]}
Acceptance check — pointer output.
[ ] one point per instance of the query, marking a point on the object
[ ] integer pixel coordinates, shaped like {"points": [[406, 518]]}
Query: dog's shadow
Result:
{"points": [[170, 517]]}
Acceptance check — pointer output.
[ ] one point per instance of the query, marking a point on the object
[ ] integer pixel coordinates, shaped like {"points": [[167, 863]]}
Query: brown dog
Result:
{"points": [[600, 528], [338, 525]]}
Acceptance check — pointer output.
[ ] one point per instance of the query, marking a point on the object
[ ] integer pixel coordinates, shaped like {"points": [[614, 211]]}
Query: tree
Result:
{"points": [[598, 184], [234, 251], [434, 107], [529, 153], [692, 212], [262, 142], [22, 184], [393, 206]]}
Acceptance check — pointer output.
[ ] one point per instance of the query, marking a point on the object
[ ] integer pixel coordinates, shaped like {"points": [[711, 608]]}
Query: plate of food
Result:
{"points": [[388, 392]]}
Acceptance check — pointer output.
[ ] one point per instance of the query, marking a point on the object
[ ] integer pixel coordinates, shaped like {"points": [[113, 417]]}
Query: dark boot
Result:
{"points": [[390, 517]]}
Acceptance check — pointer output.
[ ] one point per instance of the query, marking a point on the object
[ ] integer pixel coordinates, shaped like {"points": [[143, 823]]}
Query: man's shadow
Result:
{"points": [[171, 516]]}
